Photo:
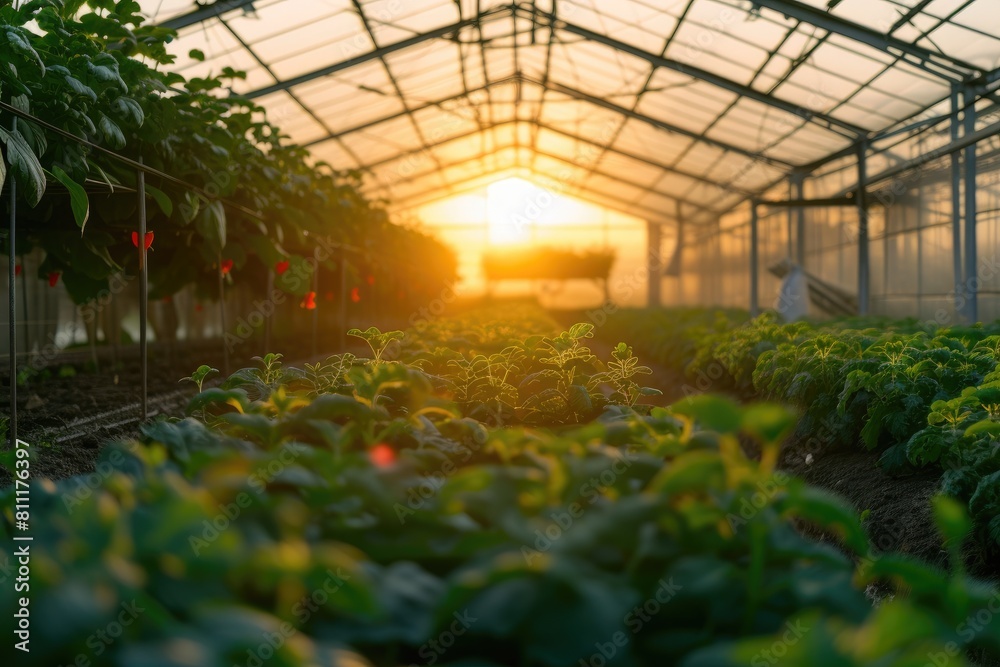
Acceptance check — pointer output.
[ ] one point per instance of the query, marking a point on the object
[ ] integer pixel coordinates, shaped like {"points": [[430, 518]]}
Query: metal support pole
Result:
{"points": [[754, 261], [654, 239], [267, 320], [25, 324], [12, 303], [342, 340], [800, 221], [864, 268], [956, 208], [315, 312], [971, 260], [143, 296], [790, 223], [222, 318]]}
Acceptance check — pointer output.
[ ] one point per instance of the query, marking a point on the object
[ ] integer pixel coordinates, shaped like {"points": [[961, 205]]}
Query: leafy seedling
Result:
{"points": [[199, 376], [376, 340]]}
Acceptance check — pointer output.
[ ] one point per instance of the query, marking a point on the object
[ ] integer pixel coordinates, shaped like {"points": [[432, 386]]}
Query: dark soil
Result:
{"points": [[69, 410]]}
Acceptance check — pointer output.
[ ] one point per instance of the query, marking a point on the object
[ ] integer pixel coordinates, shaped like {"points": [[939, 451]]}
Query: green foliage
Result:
{"points": [[376, 340], [922, 396], [540, 541], [200, 375], [97, 72]]}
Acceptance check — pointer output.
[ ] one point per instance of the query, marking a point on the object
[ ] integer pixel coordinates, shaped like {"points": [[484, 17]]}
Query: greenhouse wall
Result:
{"points": [[910, 231]]}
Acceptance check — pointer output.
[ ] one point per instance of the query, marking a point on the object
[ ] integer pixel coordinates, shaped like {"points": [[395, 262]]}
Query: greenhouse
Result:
{"points": [[460, 332]]}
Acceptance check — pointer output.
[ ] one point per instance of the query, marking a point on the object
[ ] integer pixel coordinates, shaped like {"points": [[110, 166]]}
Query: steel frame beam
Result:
{"points": [[479, 182], [204, 13], [598, 198], [584, 97], [941, 65], [663, 125], [754, 261], [378, 53], [574, 137], [564, 159], [558, 158], [864, 266], [392, 77], [971, 246], [823, 120]]}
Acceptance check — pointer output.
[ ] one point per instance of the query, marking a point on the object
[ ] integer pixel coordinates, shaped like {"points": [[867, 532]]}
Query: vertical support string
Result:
{"points": [[864, 268], [222, 319], [956, 207], [143, 295], [12, 303], [754, 260], [315, 312], [269, 318], [971, 248], [342, 340]]}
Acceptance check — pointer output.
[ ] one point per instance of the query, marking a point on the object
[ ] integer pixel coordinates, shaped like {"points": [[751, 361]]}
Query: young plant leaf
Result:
{"points": [[78, 200]]}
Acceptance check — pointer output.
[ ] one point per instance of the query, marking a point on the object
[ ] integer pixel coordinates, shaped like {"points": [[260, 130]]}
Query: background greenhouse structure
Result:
{"points": [[856, 137], [469, 333]]}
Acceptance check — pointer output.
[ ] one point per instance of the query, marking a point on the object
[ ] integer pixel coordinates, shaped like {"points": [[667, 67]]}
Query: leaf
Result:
{"points": [[81, 88], [129, 108], [579, 399], [161, 199], [985, 426], [768, 422], [25, 166], [211, 224], [714, 413], [952, 520], [828, 511], [78, 199], [112, 133]]}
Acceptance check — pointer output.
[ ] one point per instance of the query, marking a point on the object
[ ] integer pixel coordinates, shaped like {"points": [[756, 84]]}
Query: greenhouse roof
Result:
{"points": [[657, 108]]}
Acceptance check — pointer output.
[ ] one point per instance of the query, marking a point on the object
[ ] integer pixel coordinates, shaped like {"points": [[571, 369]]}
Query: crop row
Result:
{"points": [[922, 395], [353, 512]]}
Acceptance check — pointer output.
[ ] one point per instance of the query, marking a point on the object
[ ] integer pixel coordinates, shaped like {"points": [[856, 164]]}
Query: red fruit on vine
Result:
{"points": [[227, 266], [281, 267], [53, 278], [147, 240], [17, 270], [355, 294], [382, 455], [309, 303]]}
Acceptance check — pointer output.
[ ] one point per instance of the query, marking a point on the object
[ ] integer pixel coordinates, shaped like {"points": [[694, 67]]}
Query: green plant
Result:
{"points": [[200, 375], [377, 341]]}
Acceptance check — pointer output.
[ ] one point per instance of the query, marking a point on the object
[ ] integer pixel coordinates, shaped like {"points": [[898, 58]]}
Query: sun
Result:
{"points": [[513, 207]]}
